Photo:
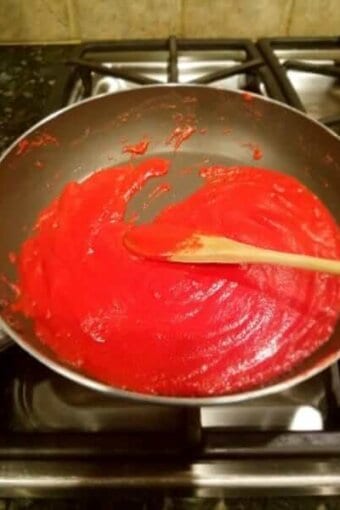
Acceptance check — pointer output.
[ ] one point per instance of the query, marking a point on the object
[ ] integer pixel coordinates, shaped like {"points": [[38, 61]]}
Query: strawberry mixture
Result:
{"points": [[172, 329]]}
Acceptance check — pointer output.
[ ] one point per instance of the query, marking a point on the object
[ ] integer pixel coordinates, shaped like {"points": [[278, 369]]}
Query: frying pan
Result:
{"points": [[232, 128]]}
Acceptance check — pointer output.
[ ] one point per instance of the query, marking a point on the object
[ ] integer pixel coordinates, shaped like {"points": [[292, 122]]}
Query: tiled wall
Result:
{"points": [[74, 20]]}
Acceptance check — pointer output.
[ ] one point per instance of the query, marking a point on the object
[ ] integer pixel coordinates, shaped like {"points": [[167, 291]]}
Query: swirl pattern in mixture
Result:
{"points": [[173, 329]]}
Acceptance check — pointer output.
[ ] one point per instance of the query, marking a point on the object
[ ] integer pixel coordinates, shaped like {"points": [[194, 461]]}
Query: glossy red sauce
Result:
{"points": [[158, 241], [175, 329]]}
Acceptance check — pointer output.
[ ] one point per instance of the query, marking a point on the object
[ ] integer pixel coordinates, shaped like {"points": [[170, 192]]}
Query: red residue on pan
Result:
{"points": [[39, 140], [38, 164], [164, 187], [247, 97], [328, 159], [255, 150], [186, 126], [215, 174], [12, 257], [184, 119], [250, 106], [44, 139], [11, 285], [257, 114], [186, 170], [81, 138], [56, 176], [77, 169], [133, 217], [253, 112], [123, 117], [202, 131], [166, 106], [138, 149], [306, 170], [158, 191], [180, 134], [4, 304], [196, 169], [227, 131], [257, 153], [189, 99], [23, 146]]}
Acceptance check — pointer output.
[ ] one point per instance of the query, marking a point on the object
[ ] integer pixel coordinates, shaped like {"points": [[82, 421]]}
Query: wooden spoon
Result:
{"points": [[175, 244]]}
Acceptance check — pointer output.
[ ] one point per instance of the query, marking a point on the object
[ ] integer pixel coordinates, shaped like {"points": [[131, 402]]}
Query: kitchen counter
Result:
{"points": [[27, 77]]}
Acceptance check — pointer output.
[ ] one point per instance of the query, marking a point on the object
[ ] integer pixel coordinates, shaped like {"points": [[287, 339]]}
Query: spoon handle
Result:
{"points": [[219, 250]]}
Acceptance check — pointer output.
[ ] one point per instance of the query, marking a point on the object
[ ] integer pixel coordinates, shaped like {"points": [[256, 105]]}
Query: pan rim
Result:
{"points": [[95, 384]]}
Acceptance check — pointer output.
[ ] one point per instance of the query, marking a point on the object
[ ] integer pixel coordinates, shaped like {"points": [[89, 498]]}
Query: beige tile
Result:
{"points": [[315, 17], [10, 20], [45, 20], [37, 20], [235, 18], [124, 19]]}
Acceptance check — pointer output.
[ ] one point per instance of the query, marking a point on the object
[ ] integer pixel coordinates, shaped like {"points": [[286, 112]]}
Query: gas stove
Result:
{"points": [[59, 438], [308, 71]]}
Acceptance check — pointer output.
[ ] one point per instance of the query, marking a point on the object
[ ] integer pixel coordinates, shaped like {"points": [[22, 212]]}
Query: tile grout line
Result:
{"points": [[39, 42]]}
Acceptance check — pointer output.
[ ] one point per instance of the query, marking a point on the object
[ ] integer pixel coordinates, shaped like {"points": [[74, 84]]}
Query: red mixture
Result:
{"points": [[175, 329], [137, 149]]}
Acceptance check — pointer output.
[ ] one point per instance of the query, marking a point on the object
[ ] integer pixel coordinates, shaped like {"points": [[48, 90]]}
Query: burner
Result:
{"points": [[308, 72], [109, 67], [44, 402]]}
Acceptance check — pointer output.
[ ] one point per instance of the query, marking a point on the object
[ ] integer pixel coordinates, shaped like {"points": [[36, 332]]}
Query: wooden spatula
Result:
{"points": [[175, 244]]}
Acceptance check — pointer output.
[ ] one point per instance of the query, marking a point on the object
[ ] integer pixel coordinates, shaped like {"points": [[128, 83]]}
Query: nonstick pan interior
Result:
{"points": [[230, 128]]}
